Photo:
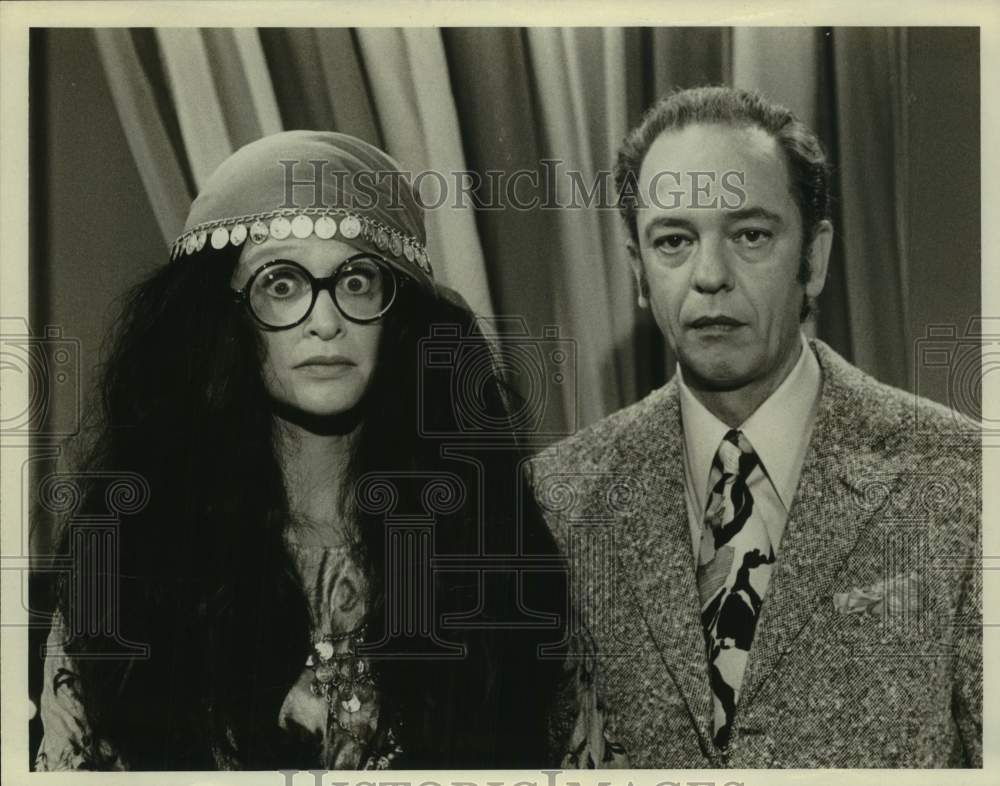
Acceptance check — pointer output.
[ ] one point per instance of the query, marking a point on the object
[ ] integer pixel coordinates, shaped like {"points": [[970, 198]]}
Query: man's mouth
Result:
{"points": [[717, 321]]}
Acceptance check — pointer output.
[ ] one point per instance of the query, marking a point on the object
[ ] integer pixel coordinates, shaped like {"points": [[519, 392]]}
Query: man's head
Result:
{"points": [[726, 199]]}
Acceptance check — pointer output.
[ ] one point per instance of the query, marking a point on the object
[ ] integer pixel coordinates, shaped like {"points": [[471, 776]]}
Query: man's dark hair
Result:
{"points": [[807, 163]]}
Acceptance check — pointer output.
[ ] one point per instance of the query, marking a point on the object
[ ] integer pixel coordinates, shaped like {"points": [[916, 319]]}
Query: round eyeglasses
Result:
{"points": [[281, 294]]}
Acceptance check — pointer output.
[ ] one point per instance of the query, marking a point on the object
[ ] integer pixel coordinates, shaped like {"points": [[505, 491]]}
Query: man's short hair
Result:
{"points": [[807, 163]]}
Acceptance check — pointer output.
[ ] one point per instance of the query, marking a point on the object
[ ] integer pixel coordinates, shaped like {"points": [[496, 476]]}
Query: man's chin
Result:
{"points": [[716, 374]]}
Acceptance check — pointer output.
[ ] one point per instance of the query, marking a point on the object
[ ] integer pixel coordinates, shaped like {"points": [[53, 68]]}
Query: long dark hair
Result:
{"points": [[207, 579]]}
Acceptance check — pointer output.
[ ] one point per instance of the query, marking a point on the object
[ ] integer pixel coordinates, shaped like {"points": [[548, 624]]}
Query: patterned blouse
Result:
{"points": [[334, 698]]}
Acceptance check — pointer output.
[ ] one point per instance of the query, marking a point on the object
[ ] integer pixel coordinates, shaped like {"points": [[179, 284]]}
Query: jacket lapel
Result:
{"points": [[824, 523], [656, 563]]}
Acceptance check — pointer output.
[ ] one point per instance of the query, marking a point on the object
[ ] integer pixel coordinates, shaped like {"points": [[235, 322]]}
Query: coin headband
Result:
{"points": [[324, 223]]}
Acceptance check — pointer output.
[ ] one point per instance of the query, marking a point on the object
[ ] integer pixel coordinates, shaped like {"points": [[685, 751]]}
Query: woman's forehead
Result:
{"points": [[319, 256]]}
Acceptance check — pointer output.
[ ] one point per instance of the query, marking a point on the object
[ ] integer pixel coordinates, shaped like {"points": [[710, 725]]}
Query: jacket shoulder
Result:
{"points": [[889, 419], [602, 444]]}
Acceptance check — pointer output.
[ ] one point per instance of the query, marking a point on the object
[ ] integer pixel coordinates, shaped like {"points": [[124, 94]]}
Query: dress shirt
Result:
{"points": [[779, 430]]}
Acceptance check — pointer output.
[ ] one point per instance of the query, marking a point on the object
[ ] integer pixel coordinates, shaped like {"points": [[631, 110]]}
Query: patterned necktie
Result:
{"points": [[734, 567]]}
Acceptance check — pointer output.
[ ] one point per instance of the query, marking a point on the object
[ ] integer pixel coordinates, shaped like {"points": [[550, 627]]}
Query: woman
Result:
{"points": [[267, 385]]}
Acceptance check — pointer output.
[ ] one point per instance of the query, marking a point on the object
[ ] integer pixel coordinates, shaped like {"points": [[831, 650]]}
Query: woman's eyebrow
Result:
{"points": [[254, 265]]}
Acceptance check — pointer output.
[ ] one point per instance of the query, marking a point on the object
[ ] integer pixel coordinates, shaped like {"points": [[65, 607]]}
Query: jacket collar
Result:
{"points": [[824, 525]]}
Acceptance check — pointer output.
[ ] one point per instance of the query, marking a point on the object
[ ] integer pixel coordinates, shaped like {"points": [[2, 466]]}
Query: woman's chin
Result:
{"points": [[327, 416]]}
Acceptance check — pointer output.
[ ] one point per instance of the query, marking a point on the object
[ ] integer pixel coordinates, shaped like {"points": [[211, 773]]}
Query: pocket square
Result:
{"points": [[896, 595]]}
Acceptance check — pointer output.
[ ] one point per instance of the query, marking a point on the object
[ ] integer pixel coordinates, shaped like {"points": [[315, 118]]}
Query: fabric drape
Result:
{"points": [[588, 280], [541, 101], [154, 155], [870, 110], [408, 75], [206, 137]]}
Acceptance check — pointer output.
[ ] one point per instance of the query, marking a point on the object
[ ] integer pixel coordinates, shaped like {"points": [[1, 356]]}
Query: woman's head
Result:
{"points": [[320, 344], [328, 231], [189, 392]]}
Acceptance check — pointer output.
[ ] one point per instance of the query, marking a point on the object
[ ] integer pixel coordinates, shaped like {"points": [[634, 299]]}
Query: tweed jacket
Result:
{"points": [[889, 497]]}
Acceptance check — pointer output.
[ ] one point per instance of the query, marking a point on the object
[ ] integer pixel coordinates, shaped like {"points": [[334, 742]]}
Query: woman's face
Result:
{"points": [[322, 366]]}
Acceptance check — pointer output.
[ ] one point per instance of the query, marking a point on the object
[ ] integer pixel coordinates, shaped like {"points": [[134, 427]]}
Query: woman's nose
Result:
{"points": [[325, 321]]}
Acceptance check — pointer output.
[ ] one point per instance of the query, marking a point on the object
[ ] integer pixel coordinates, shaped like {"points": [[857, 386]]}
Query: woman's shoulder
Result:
{"points": [[68, 741]]}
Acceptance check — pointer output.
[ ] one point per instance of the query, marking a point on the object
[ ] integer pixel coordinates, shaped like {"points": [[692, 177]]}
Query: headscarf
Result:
{"points": [[302, 183]]}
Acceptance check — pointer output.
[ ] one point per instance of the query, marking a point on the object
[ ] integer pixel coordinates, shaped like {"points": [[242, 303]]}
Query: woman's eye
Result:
{"points": [[753, 238], [282, 286], [356, 284]]}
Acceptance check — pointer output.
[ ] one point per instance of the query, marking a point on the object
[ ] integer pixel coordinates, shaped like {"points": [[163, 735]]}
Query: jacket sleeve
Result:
{"points": [[967, 688], [68, 742], [580, 734]]}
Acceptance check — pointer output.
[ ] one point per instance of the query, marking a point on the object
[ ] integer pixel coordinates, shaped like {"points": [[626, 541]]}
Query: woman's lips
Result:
{"points": [[325, 367]]}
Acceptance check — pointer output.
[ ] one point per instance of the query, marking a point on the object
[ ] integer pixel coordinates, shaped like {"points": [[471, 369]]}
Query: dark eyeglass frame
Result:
{"points": [[318, 285]]}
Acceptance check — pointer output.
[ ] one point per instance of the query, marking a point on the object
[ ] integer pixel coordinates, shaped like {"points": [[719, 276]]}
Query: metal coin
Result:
{"points": [[350, 227], [325, 227], [258, 232], [220, 237], [302, 227], [281, 228]]}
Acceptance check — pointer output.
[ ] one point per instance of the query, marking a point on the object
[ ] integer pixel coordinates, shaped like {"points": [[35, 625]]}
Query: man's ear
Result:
{"points": [[640, 275], [819, 258]]}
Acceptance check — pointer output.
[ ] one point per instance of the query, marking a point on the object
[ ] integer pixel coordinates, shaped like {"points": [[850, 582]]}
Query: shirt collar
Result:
{"points": [[702, 434], [774, 427]]}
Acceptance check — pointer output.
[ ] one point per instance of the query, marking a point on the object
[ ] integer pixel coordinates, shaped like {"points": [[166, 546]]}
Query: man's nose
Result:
{"points": [[712, 271], [325, 321]]}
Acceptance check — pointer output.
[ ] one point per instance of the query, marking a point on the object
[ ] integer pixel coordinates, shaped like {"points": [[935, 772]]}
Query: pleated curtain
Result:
{"points": [[453, 100]]}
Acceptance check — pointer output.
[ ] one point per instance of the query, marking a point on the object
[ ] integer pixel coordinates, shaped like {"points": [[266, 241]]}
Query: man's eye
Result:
{"points": [[671, 243], [753, 238]]}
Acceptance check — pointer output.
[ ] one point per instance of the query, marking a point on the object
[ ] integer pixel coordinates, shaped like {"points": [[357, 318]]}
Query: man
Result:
{"points": [[776, 554]]}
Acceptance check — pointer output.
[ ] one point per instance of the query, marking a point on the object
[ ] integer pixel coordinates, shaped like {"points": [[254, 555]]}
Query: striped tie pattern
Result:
{"points": [[734, 568]]}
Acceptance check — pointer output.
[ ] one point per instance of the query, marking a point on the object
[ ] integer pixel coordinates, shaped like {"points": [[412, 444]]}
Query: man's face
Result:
{"points": [[721, 268]]}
